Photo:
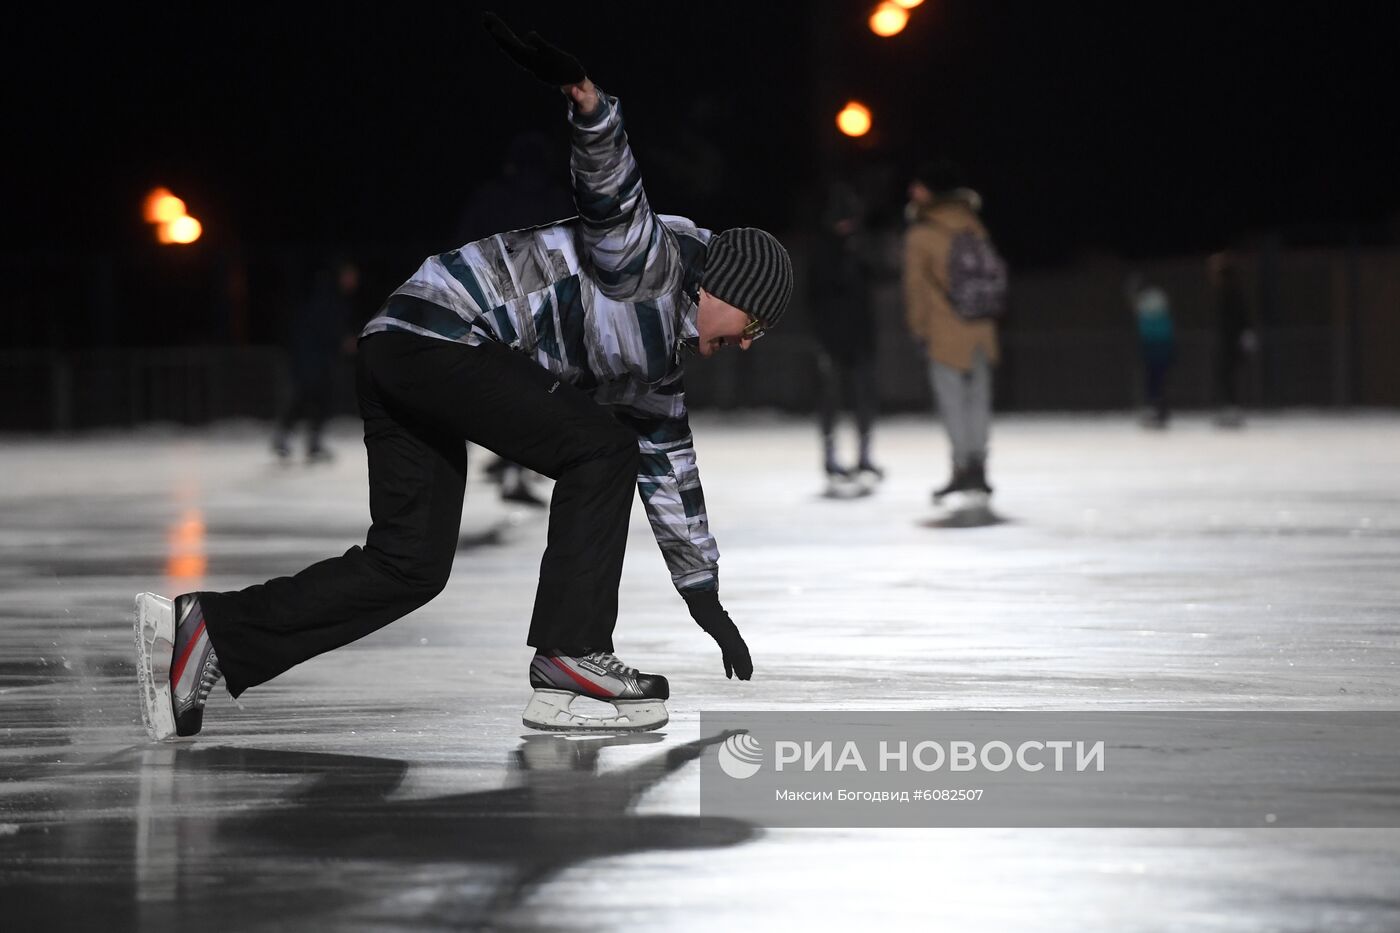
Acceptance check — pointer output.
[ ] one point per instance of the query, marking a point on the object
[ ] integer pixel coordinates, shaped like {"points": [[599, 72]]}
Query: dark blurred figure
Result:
{"points": [[954, 288], [1157, 343], [526, 193], [690, 164], [1234, 334], [843, 323], [322, 329]]}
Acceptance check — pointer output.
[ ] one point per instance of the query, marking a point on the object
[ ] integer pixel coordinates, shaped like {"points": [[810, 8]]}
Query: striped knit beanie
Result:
{"points": [[750, 270]]}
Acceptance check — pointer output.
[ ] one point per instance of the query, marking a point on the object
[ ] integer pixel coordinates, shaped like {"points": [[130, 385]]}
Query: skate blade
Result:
{"points": [[847, 489], [964, 500], [548, 710], [155, 649]]}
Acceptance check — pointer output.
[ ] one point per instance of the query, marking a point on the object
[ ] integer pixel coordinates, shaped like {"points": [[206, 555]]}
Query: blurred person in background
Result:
{"points": [[843, 323], [687, 160], [525, 193], [1236, 342], [322, 330], [954, 289], [1157, 344], [562, 348]]}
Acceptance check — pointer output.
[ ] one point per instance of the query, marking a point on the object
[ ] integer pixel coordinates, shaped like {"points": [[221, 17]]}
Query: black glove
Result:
{"points": [[710, 615], [551, 65]]}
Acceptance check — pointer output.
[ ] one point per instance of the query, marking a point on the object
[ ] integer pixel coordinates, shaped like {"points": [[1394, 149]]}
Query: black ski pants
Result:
{"points": [[421, 399]]}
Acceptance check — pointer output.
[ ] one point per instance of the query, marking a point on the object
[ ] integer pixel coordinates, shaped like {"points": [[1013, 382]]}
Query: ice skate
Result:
{"points": [[977, 478], [1230, 417], [318, 454], [515, 489], [967, 495], [175, 664], [970, 501], [1154, 419], [844, 482], [870, 472], [958, 482], [638, 700], [868, 476], [523, 495]]}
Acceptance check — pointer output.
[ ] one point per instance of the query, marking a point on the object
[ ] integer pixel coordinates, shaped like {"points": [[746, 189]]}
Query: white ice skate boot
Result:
{"points": [[638, 700], [175, 664], [843, 483]]}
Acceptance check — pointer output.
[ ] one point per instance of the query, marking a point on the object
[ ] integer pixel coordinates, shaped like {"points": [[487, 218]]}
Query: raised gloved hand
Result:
{"points": [[551, 65], [710, 615]]}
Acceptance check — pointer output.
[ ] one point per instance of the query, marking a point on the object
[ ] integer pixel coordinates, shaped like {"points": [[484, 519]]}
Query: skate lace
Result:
{"points": [[208, 678], [611, 662]]}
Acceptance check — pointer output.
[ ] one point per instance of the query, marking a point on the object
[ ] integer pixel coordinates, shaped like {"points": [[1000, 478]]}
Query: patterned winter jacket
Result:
{"points": [[607, 301]]}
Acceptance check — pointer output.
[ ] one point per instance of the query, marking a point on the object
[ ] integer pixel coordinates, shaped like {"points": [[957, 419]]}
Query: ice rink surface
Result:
{"points": [[391, 785]]}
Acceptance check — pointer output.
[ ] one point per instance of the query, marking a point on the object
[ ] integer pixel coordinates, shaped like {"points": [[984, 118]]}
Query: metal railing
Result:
{"points": [[1048, 370]]}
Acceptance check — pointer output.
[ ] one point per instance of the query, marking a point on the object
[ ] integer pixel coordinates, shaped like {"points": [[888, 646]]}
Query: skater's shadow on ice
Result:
{"points": [[211, 811], [974, 517]]}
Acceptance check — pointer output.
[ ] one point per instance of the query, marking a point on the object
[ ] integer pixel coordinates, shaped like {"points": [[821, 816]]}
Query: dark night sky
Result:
{"points": [[1131, 127]]}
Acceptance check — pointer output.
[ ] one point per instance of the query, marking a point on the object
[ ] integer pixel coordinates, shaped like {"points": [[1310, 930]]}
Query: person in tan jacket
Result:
{"points": [[948, 256]]}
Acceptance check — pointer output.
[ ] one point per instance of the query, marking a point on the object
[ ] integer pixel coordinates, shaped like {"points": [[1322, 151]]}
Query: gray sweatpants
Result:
{"points": [[965, 402]]}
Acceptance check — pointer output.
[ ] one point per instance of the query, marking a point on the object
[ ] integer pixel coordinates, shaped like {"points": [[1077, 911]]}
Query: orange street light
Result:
{"points": [[889, 19], [908, 4], [187, 559], [854, 119], [161, 206], [183, 229]]}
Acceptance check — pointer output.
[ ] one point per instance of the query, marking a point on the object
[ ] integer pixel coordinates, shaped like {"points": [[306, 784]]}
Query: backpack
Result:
{"points": [[976, 277]]}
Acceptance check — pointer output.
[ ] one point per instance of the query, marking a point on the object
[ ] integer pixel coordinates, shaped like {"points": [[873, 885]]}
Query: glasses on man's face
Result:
{"points": [[752, 330]]}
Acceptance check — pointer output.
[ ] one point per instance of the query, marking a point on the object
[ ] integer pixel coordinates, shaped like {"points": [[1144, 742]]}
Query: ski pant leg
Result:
{"points": [[979, 405], [416, 481], [951, 389], [290, 408], [865, 397], [1227, 374], [500, 399], [318, 394], [829, 394], [1156, 389], [421, 399]]}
